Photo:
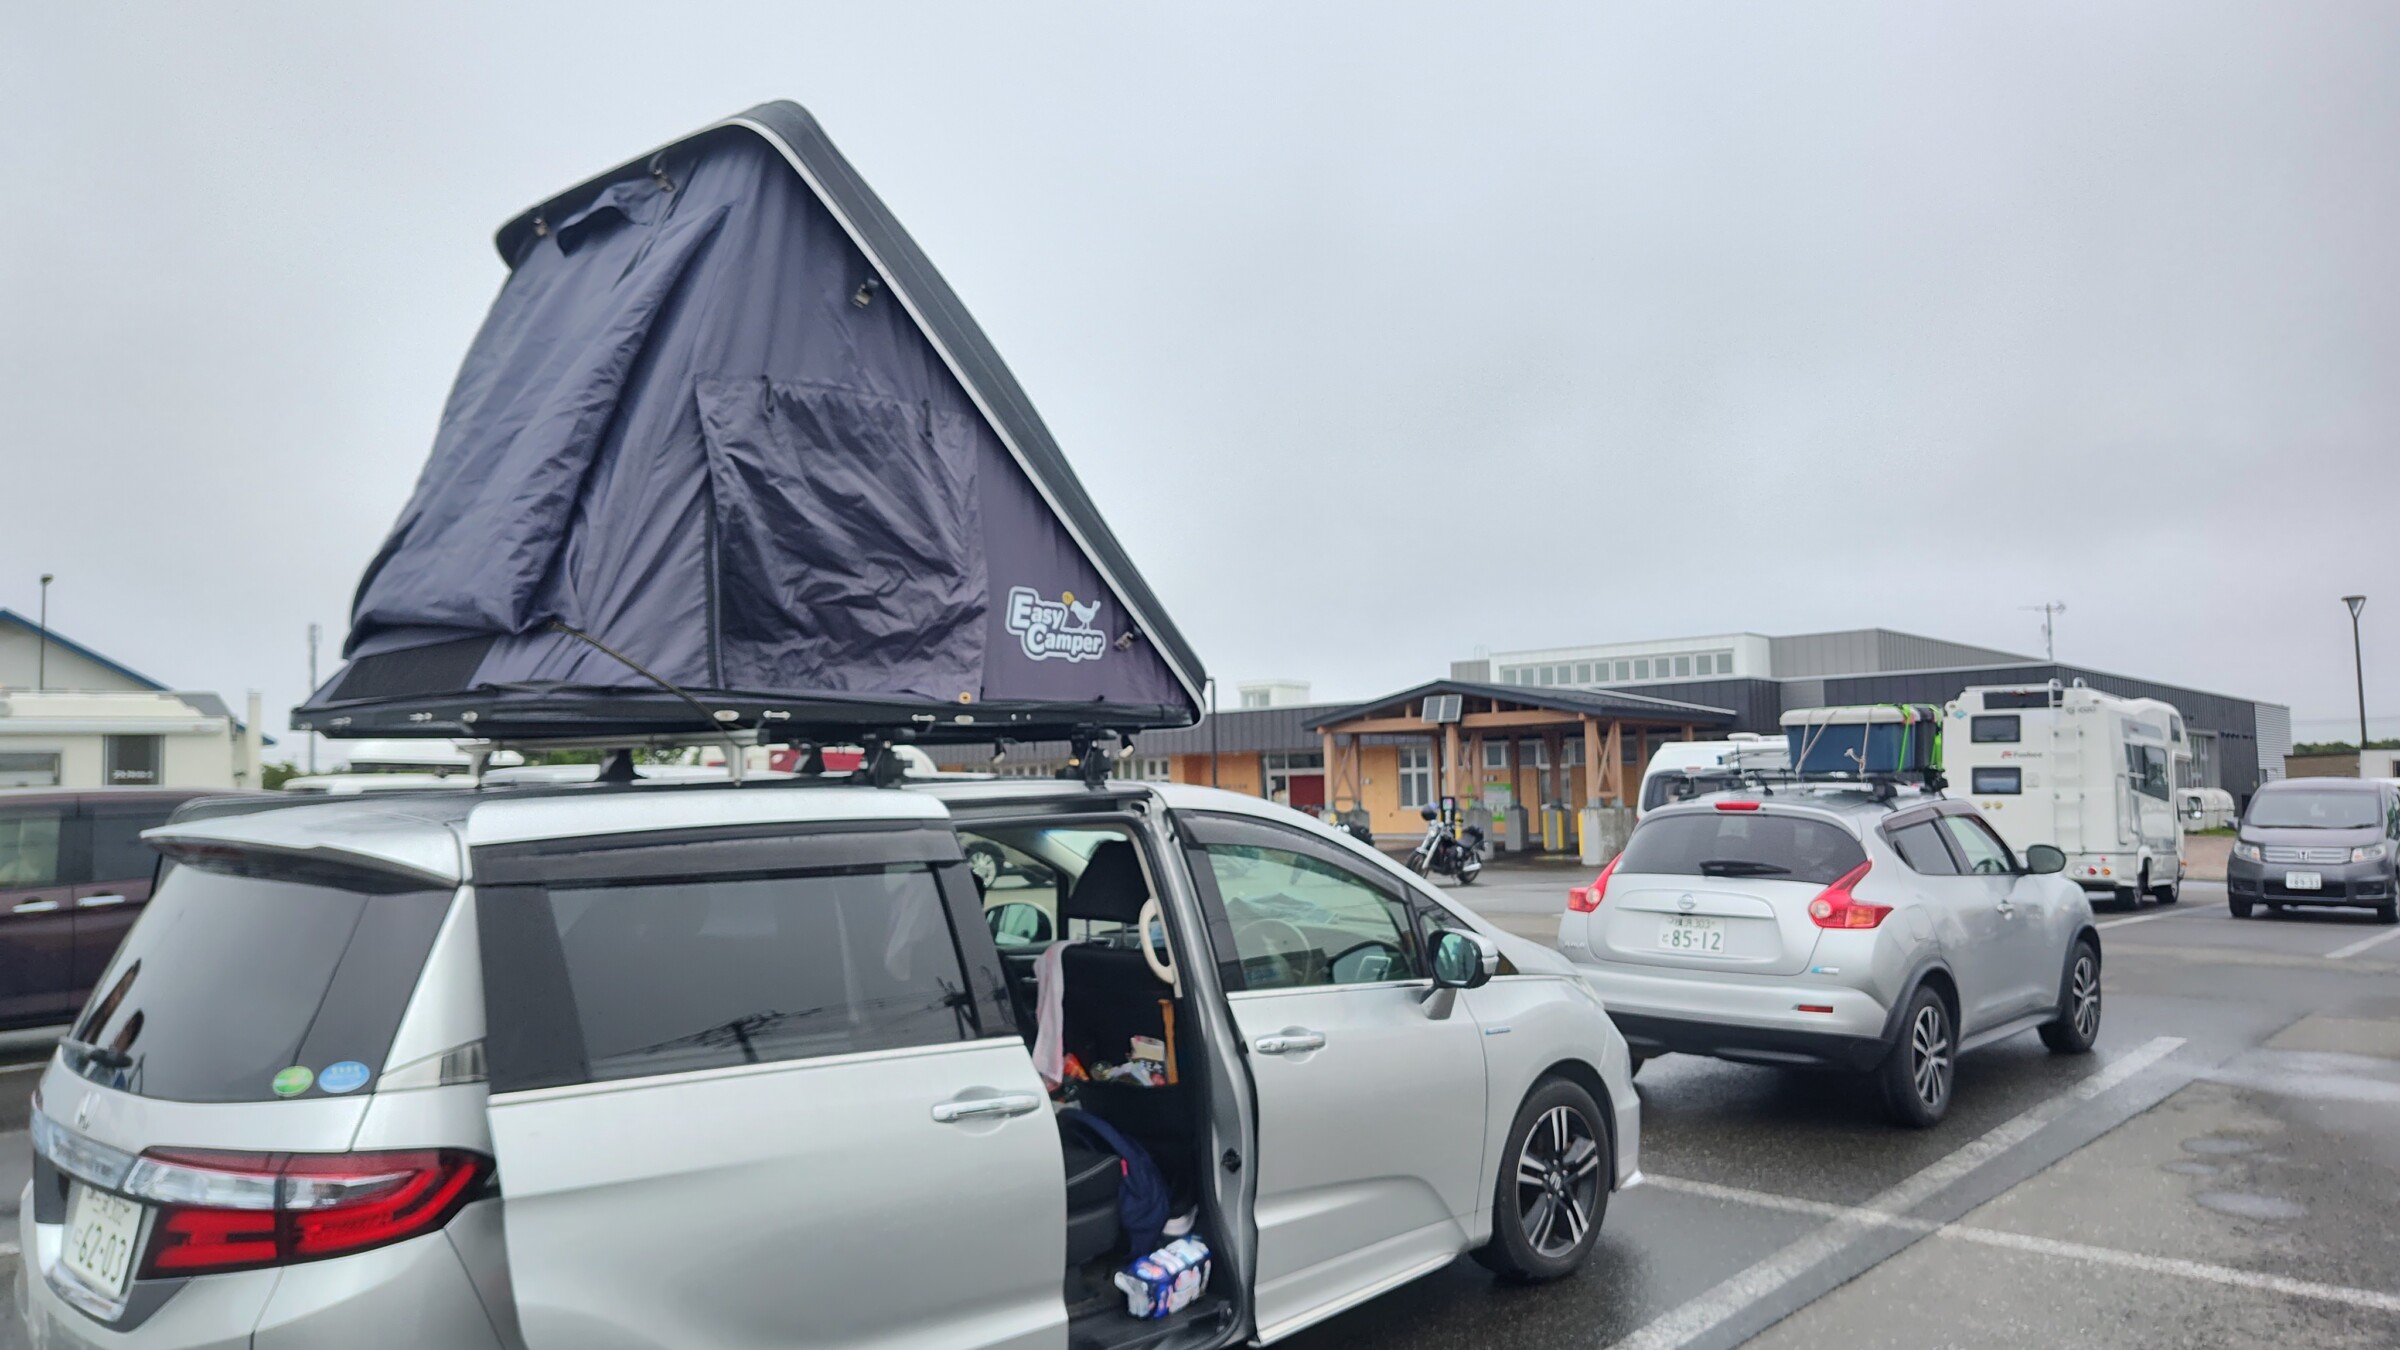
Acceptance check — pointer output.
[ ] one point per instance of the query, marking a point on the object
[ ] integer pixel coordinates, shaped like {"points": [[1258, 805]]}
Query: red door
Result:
{"points": [[1307, 792]]}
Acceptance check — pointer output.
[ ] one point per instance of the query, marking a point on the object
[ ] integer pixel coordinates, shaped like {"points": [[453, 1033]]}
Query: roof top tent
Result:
{"points": [[725, 429]]}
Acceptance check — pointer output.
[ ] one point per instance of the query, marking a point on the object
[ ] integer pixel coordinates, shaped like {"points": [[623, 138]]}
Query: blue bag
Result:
{"points": [[1142, 1201]]}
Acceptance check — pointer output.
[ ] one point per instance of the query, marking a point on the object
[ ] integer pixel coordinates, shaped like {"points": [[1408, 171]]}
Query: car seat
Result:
{"points": [[1111, 993]]}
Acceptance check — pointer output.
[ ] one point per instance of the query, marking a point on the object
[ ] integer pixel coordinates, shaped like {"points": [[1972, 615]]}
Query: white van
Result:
{"points": [[1710, 766], [2204, 808], [2089, 772]]}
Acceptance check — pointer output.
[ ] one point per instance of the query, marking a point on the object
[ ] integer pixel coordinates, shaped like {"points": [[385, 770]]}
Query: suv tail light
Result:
{"points": [[1585, 899], [221, 1211], [1836, 907]]}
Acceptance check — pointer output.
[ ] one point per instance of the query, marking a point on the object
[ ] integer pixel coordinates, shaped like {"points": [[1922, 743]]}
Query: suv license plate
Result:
{"points": [[102, 1231], [2304, 881], [1692, 933]]}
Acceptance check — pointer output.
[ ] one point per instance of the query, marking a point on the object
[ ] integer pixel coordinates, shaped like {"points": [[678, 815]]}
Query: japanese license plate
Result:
{"points": [[102, 1231], [2304, 881], [1692, 933]]}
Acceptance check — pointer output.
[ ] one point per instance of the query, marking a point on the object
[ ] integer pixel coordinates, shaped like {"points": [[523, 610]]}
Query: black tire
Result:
{"points": [[2128, 897], [2079, 1003], [1551, 1196], [1919, 1070], [2169, 893], [2240, 908], [2388, 914]]}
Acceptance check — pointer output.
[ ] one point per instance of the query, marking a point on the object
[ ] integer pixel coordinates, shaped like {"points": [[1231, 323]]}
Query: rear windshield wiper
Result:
{"points": [[98, 1054], [1741, 867]]}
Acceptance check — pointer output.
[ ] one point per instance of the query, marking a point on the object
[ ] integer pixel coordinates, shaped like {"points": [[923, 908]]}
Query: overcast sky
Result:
{"points": [[1381, 334]]}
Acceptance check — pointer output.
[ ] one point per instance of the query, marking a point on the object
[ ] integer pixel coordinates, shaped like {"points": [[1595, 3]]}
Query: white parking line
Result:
{"points": [[2149, 918], [1681, 1325], [2082, 1253], [2345, 953]]}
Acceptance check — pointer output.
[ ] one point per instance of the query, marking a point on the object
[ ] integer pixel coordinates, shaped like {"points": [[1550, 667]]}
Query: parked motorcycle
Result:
{"points": [[1456, 855]]}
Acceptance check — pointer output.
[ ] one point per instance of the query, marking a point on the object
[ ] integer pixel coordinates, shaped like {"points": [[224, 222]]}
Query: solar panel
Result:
{"points": [[1443, 708]]}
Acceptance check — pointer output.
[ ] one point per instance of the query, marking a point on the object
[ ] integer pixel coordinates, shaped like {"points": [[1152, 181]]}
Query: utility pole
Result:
{"points": [[2049, 613], [2358, 666], [41, 654], [313, 633]]}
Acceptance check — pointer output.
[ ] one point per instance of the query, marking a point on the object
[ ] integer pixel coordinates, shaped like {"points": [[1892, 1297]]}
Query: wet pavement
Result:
{"points": [[2221, 1172]]}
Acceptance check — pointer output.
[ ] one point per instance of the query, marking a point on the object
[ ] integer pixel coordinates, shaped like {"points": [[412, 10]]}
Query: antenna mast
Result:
{"points": [[2049, 613]]}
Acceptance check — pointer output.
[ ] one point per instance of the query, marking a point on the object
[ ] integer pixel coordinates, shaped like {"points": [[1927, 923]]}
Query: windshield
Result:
{"points": [[1742, 844], [250, 988], [1676, 785], [2314, 809]]}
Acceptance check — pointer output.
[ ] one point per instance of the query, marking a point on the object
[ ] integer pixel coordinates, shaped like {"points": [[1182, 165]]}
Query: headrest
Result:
{"points": [[1111, 887]]}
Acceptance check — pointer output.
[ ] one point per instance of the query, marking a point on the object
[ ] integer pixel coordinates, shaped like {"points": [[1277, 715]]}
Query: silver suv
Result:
{"points": [[1837, 927], [712, 1065]]}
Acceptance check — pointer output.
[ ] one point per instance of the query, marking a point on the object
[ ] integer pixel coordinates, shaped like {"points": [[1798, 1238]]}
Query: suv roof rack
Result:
{"points": [[1885, 787]]}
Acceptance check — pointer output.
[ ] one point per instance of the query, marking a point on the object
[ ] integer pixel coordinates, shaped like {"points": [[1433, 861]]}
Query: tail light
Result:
{"points": [[1836, 907], [1585, 899], [221, 1211]]}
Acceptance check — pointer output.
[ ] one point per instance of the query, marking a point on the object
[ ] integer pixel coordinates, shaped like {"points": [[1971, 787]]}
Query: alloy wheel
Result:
{"points": [[1929, 1055], [1558, 1181], [2083, 993]]}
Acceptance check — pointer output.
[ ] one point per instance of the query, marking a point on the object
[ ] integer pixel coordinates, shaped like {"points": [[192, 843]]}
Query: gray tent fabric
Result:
{"points": [[704, 427]]}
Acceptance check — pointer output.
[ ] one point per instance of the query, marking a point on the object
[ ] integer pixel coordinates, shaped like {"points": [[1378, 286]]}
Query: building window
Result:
{"points": [[1572, 752], [1153, 769], [1583, 672], [1683, 665], [1724, 663], [1256, 698], [1495, 755], [1641, 668], [131, 761], [1416, 776], [29, 768], [1624, 670]]}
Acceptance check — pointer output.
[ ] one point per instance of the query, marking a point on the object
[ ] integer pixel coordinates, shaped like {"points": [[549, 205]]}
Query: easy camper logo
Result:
{"points": [[1055, 630]]}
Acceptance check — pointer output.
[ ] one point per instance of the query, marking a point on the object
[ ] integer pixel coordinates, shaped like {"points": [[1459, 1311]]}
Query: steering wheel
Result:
{"points": [[1278, 940]]}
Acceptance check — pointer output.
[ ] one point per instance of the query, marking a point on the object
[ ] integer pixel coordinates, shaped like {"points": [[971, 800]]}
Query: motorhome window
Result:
{"points": [[2313, 809], [1988, 730], [1997, 782], [2146, 767], [2001, 699], [593, 983], [1743, 844]]}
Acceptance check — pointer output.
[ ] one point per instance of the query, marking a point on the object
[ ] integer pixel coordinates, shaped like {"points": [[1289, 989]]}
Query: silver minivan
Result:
{"points": [[668, 1065]]}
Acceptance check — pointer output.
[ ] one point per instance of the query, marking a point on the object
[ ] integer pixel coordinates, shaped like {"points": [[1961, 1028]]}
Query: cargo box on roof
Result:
{"points": [[1870, 739], [726, 429]]}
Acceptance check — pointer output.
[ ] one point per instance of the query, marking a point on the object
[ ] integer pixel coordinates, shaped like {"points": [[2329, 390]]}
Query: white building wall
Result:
{"points": [[1729, 656], [2274, 740]]}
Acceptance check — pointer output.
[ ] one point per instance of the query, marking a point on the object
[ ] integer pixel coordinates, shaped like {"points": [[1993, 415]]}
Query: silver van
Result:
{"points": [[669, 1065]]}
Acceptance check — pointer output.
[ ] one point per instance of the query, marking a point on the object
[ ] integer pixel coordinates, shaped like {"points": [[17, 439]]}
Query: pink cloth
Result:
{"points": [[1049, 993]]}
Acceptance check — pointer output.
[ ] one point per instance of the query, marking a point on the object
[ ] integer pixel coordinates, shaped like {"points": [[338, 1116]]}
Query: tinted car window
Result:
{"points": [[589, 983], [118, 853], [1742, 844], [2314, 809], [228, 981], [1667, 787], [1920, 846], [29, 846]]}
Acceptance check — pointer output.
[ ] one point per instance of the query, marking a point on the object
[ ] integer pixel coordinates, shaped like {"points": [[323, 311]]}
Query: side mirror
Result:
{"points": [[1018, 924], [1427, 813], [2043, 859], [1463, 960]]}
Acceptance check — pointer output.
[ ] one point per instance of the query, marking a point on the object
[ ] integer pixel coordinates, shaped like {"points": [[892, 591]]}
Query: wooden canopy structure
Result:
{"points": [[1456, 717]]}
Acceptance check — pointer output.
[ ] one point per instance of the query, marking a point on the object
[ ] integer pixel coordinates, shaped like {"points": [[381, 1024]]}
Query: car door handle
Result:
{"points": [[1290, 1041], [98, 901], [34, 907], [2007, 910], [979, 1108]]}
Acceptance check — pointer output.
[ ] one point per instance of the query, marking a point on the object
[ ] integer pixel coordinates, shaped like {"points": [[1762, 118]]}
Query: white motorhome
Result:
{"points": [[2090, 772], [1710, 766]]}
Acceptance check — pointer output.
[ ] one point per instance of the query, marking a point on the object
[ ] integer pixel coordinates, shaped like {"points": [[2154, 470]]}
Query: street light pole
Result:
{"points": [[41, 654], [2358, 666]]}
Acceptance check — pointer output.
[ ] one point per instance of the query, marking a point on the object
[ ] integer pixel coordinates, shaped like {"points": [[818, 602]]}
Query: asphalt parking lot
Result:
{"points": [[2221, 1172]]}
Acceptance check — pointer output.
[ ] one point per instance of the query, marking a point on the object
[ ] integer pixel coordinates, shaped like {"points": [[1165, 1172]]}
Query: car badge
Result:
{"points": [[83, 1113], [1686, 903]]}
